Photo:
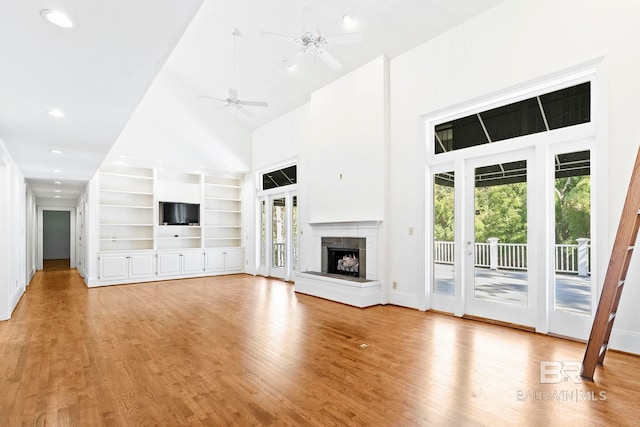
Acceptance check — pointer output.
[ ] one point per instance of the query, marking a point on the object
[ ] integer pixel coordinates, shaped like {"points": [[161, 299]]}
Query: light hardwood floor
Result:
{"points": [[240, 350]]}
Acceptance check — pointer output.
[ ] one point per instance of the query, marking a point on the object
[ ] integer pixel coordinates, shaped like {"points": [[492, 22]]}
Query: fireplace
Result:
{"points": [[344, 264], [345, 256]]}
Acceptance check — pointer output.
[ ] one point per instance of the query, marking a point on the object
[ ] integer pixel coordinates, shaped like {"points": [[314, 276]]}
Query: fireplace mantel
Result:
{"points": [[361, 293]]}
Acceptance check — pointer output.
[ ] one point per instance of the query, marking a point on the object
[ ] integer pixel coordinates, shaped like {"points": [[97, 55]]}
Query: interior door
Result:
{"points": [[499, 241]]}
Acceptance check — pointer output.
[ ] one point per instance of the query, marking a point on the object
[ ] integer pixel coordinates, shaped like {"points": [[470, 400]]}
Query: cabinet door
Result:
{"points": [[113, 267], [233, 260], [169, 264], [141, 266], [192, 262], [214, 261]]}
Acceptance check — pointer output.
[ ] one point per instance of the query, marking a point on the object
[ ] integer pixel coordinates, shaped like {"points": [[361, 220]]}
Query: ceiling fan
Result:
{"points": [[312, 39], [232, 97]]}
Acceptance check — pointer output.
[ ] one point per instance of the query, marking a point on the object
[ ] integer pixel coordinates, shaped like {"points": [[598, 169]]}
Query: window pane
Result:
{"points": [[278, 232], [263, 233], [568, 107], [572, 252], [294, 217], [443, 233], [460, 133], [511, 121], [279, 178], [561, 108], [500, 235]]}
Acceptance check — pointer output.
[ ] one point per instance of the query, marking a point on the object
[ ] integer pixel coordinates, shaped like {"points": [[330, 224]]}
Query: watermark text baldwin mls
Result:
{"points": [[558, 372]]}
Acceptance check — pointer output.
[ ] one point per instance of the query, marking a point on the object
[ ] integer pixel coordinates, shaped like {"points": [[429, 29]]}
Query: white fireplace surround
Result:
{"points": [[360, 293]]}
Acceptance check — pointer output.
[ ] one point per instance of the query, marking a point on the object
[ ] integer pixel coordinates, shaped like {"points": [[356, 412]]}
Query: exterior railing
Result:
{"points": [[513, 256], [278, 254]]}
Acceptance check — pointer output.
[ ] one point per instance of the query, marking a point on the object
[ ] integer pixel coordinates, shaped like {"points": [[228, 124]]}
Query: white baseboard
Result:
{"points": [[403, 299], [626, 341]]}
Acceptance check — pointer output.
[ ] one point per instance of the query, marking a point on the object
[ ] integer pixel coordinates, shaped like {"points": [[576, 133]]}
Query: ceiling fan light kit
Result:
{"points": [[312, 39]]}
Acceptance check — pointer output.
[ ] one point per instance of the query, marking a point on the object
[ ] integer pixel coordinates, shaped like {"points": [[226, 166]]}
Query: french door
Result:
{"points": [[511, 237], [278, 235], [498, 240]]}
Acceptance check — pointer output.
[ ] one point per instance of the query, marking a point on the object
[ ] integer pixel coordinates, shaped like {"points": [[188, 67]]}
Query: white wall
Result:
{"points": [[344, 162], [516, 42], [13, 226]]}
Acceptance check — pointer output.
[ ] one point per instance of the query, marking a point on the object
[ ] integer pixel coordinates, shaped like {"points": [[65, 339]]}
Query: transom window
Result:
{"points": [[280, 177], [562, 108]]}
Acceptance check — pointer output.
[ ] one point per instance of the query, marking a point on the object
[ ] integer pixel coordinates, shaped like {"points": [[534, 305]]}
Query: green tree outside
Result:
{"points": [[501, 211]]}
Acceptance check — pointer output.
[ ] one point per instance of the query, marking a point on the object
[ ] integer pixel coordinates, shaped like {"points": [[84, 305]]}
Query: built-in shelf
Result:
{"points": [[129, 198], [222, 217], [126, 208]]}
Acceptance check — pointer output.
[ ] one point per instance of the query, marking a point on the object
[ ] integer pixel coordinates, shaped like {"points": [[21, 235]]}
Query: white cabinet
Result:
{"points": [[125, 266], [228, 260], [192, 262], [177, 263]]}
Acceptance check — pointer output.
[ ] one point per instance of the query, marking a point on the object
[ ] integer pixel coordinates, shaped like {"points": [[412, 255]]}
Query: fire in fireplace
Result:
{"points": [[344, 261]]}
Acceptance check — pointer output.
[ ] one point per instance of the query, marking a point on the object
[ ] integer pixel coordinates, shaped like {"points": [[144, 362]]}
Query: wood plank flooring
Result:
{"points": [[240, 350]]}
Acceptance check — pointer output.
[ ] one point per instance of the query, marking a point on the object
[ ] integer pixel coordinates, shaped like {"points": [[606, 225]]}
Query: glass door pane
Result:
{"points": [[572, 251], [294, 220], [278, 232], [263, 233], [500, 233], [444, 233]]}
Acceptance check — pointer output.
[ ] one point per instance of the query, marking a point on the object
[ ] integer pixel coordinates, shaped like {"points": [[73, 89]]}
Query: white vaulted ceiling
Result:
{"points": [[99, 72]]}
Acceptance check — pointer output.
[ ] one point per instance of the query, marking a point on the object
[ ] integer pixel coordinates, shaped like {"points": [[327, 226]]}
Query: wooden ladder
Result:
{"points": [[615, 277]]}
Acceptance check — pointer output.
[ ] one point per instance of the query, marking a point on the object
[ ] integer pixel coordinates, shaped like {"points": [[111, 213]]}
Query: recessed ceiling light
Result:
{"points": [[57, 171], [348, 20], [55, 151], [57, 191], [57, 18], [57, 182], [56, 113], [57, 197], [289, 66]]}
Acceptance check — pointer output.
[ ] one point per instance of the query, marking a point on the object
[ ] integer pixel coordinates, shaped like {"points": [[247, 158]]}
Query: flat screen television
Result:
{"points": [[178, 213]]}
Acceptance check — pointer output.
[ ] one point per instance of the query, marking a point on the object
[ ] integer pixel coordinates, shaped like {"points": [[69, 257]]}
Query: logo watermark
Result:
{"points": [[559, 372]]}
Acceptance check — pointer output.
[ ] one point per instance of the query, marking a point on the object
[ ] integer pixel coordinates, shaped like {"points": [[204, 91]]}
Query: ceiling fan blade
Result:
{"points": [[277, 36], [253, 103], [233, 94], [328, 59], [344, 38], [212, 97]]}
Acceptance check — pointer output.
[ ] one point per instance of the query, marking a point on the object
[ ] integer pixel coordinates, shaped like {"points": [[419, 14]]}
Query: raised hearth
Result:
{"points": [[344, 264]]}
